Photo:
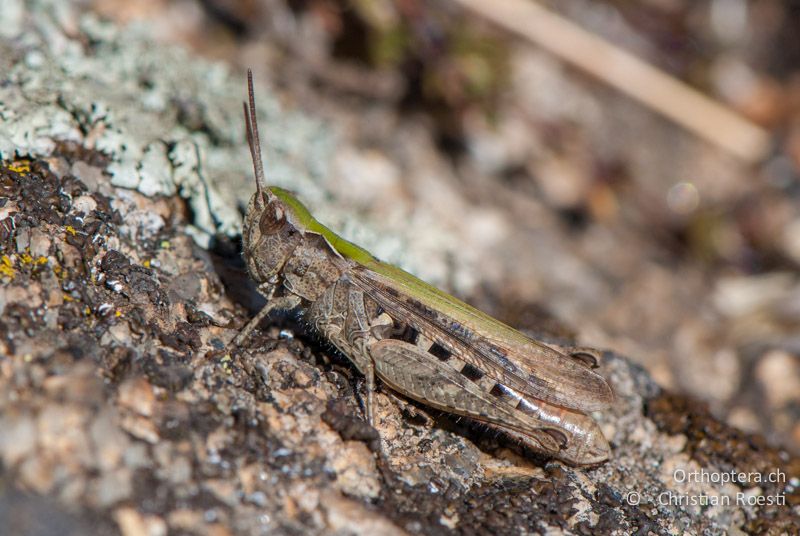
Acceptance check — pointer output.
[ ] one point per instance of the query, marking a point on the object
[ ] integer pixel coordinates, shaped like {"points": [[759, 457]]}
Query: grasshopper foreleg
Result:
{"points": [[281, 303]]}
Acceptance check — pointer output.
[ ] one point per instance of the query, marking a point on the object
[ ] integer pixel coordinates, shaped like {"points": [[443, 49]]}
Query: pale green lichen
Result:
{"points": [[129, 97]]}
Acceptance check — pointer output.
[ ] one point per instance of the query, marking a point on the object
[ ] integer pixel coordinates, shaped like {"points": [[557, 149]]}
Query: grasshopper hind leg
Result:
{"points": [[367, 368], [409, 371], [567, 435]]}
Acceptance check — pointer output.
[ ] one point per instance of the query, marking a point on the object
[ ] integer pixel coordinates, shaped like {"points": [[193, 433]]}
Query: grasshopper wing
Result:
{"points": [[497, 350]]}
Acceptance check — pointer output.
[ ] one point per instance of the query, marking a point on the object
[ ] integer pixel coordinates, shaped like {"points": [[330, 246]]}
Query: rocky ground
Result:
{"points": [[121, 411]]}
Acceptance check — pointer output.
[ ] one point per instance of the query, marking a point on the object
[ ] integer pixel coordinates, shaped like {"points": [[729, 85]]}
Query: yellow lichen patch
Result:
{"points": [[6, 269], [26, 258], [225, 363], [20, 167]]}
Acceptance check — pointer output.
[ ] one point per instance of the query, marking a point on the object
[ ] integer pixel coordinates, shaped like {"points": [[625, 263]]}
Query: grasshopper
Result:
{"points": [[418, 340]]}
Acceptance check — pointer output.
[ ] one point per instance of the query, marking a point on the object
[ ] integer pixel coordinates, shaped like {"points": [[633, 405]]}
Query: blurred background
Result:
{"points": [[650, 207]]}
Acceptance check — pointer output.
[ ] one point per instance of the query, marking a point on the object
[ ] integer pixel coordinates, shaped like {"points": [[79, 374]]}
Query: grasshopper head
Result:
{"points": [[269, 234]]}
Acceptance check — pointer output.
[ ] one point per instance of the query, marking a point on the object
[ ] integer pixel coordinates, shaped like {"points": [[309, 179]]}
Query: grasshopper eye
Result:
{"points": [[272, 219]]}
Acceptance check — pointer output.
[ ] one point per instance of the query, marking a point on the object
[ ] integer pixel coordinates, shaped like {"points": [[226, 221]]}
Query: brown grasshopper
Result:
{"points": [[420, 341]]}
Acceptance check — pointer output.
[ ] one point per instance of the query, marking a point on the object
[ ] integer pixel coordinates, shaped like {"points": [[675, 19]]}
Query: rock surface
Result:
{"points": [[121, 411]]}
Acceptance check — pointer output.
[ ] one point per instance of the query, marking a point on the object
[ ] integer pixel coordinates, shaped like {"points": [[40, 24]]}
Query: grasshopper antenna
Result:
{"points": [[253, 140]]}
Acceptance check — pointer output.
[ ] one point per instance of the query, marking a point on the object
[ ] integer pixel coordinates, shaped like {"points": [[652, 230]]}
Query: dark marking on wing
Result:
{"points": [[392, 292], [409, 335], [472, 372], [439, 351], [500, 390], [422, 309]]}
